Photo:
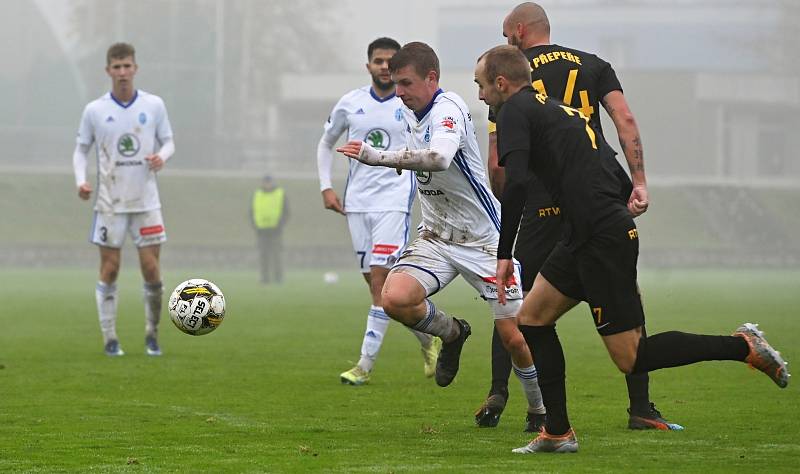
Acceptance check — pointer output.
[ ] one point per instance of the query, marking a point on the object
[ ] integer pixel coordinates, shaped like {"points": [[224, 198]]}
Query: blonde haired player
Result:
{"points": [[133, 139]]}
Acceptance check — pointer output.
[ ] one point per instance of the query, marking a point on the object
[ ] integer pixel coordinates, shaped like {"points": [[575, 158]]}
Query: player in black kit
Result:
{"points": [[595, 261], [581, 80]]}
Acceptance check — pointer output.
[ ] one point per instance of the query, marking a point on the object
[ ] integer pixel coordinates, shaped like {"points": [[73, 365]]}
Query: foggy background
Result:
{"points": [[714, 85]]}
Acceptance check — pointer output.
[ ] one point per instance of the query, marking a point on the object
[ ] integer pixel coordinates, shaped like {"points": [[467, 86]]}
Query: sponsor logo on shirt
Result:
{"points": [[128, 163], [128, 145], [360, 112], [449, 122], [427, 136], [431, 192], [142, 118], [423, 177], [398, 115], [109, 119], [378, 138]]}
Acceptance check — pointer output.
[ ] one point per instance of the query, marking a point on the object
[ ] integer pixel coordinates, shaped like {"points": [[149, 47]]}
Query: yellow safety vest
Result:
{"points": [[267, 208]]}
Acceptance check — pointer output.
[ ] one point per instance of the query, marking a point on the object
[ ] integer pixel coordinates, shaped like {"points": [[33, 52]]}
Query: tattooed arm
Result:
{"points": [[631, 143]]}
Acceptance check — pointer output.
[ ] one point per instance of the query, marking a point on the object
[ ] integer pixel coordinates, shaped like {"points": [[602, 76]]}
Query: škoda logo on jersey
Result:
{"points": [[128, 145], [378, 138], [423, 177]]}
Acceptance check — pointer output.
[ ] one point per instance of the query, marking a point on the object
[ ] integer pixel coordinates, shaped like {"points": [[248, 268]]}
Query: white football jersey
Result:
{"points": [[456, 203], [379, 122], [123, 136]]}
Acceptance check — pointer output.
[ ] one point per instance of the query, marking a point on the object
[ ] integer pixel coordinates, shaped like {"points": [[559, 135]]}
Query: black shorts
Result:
{"points": [[602, 272], [539, 231]]}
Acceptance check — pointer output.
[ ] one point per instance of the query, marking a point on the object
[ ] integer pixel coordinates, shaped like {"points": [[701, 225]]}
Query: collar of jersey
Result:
{"points": [[533, 51], [124, 106], [422, 113], [376, 97]]}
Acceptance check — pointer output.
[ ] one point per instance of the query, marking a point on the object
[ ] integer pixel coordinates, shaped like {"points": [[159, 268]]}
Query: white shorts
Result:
{"points": [[435, 263], [146, 228], [378, 237]]}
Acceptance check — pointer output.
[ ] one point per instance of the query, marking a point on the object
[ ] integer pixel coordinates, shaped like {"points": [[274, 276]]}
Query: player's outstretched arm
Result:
{"points": [[631, 143], [435, 158]]}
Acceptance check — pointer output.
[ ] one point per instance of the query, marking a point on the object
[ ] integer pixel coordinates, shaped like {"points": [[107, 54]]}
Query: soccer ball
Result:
{"points": [[196, 307]]}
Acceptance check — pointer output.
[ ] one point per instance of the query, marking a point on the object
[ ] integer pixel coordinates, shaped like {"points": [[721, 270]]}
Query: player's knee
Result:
{"points": [[150, 272], [109, 271], [625, 364], [394, 303], [515, 343]]}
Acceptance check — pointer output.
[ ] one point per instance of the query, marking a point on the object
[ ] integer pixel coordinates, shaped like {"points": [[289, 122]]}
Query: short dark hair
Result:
{"points": [[416, 54], [120, 51], [507, 61], [382, 43]]}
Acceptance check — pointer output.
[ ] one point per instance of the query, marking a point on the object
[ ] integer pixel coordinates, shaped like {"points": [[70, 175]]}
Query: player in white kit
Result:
{"points": [[460, 219], [133, 139], [377, 201]]}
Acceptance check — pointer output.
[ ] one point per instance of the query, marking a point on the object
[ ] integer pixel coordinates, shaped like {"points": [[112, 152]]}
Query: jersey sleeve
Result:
{"points": [[607, 80], [447, 123], [86, 128], [164, 128], [513, 132], [337, 122]]}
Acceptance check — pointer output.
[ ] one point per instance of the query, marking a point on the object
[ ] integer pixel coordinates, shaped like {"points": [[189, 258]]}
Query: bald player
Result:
{"points": [[581, 80]]}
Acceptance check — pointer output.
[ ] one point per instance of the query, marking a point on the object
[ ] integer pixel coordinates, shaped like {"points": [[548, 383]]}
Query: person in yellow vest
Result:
{"points": [[269, 212]]}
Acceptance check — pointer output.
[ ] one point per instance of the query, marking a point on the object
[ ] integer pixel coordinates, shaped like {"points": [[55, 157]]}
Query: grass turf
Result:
{"points": [[261, 394]]}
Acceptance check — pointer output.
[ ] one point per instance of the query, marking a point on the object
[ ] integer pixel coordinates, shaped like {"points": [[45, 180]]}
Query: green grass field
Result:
{"points": [[261, 394]]}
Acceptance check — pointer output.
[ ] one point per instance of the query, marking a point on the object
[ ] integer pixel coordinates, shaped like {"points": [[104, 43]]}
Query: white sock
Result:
{"points": [[530, 385], [152, 307], [377, 324], [439, 324], [105, 296]]}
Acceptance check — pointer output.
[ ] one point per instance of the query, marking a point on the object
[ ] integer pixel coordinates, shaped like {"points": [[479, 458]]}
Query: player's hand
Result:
{"points": [[638, 202], [85, 191], [154, 162], [505, 270], [352, 149], [331, 201]]}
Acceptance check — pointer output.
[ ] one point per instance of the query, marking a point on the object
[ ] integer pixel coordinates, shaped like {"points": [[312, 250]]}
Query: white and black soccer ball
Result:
{"points": [[196, 306]]}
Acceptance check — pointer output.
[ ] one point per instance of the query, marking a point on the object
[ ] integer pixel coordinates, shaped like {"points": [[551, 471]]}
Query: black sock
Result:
{"points": [[639, 392], [639, 389], [501, 366], [674, 349], [548, 356]]}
